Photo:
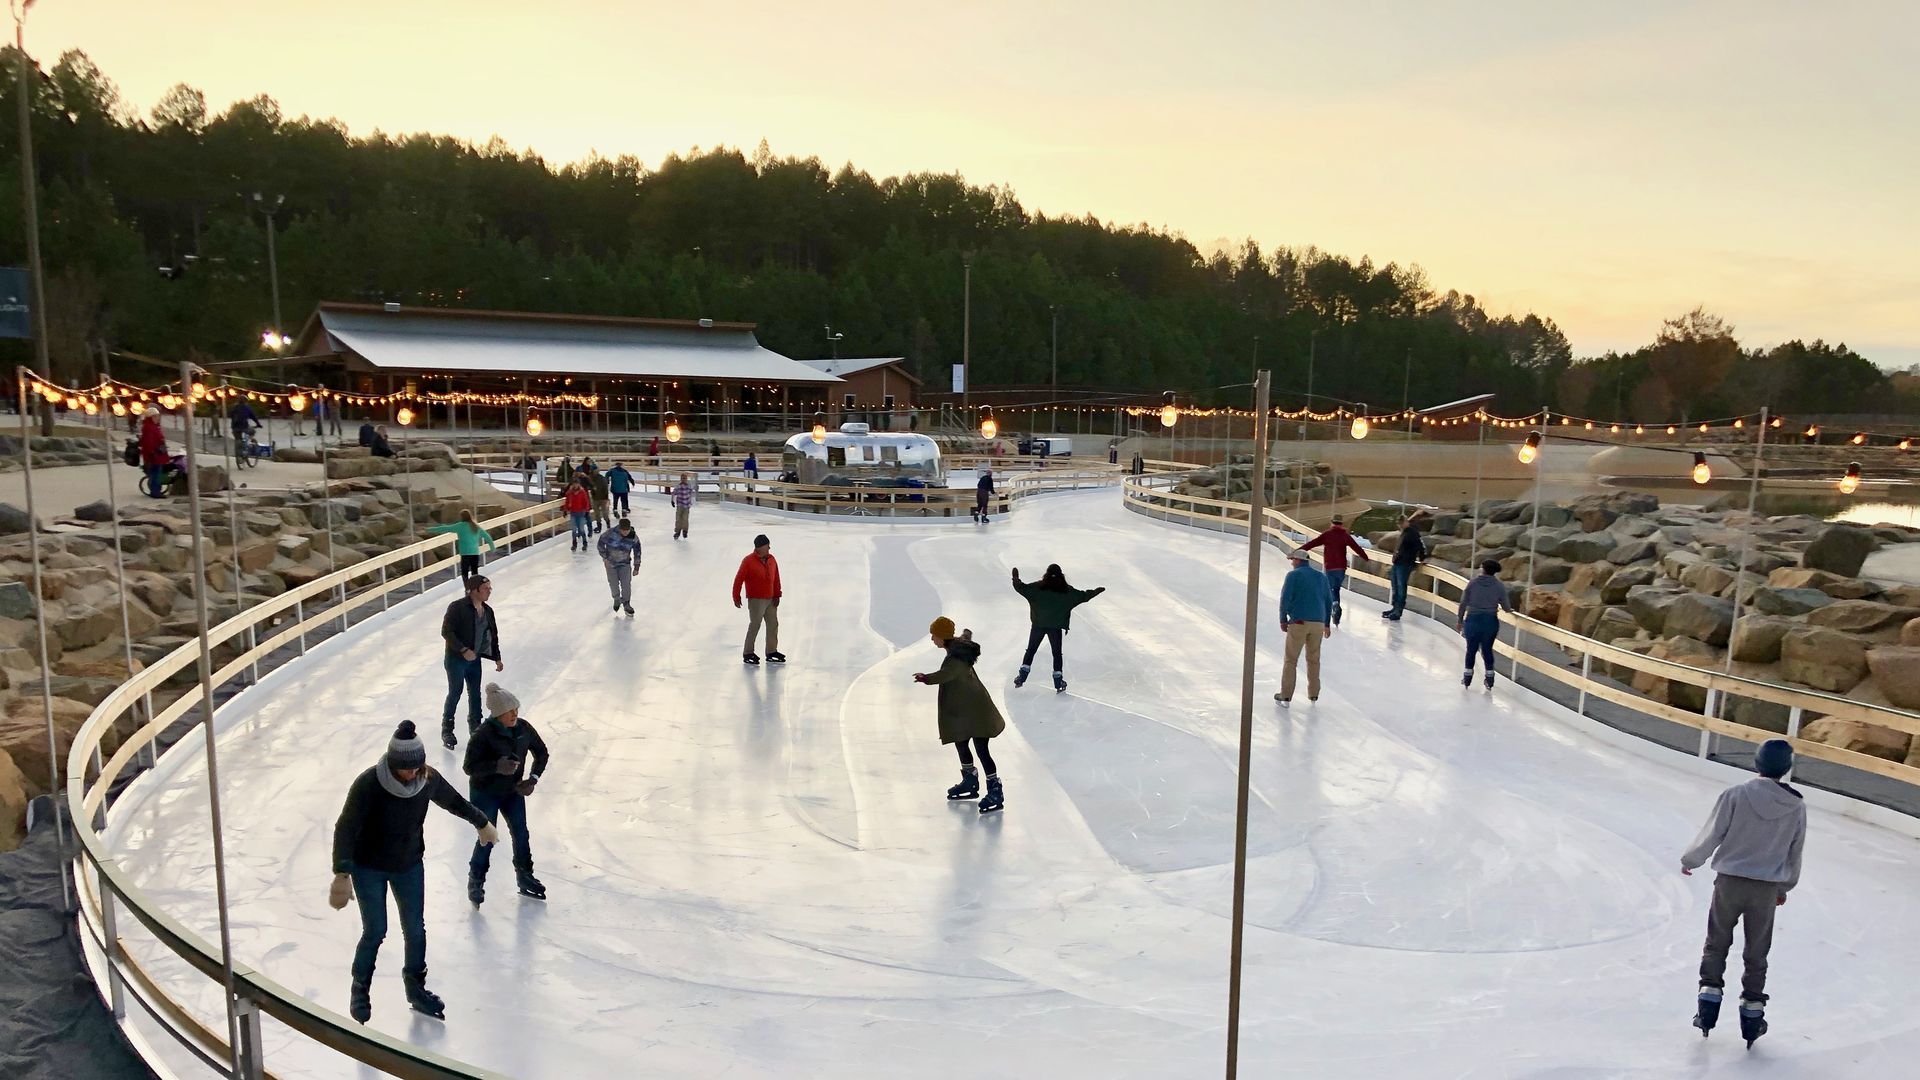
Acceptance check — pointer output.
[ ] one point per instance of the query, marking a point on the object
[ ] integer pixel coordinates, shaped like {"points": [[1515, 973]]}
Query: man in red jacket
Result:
{"points": [[1333, 545], [759, 573]]}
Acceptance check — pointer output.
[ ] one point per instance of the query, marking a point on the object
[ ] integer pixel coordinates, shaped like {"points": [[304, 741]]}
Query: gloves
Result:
{"points": [[507, 766], [340, 892], [525, 787], [489, 835]]}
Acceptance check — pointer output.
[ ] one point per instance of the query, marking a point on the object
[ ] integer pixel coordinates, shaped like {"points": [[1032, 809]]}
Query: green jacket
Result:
{"points": [[1052, 609], [967, 711], [597, 485], [467, 538]]}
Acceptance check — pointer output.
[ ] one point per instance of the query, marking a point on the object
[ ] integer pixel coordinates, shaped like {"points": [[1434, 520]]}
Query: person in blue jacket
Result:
{"points": [[619, 483], [1306, 617], [983, 492]]}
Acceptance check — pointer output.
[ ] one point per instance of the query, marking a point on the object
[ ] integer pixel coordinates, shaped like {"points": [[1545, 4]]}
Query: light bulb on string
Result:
{"points": [[119, 409], [297, 401], [91, 408], [989, 427], [673, 429], [1530, 449], [1906, 444], [1589, 425], [1169, 413], [1615, 429], [1739, 422], [1777, 421], [1701, 473], [137, 408], [1360, 425], [534, 424], [404, 416], [1859, 438], [1850, 483], [1639, 429], [1671, 430], [1812, 432], [819, 428], [1703, 429]]}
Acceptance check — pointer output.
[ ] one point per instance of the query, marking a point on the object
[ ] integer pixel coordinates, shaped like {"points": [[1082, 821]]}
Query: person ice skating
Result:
{"points": [[499, 782], [472, 635], [1754, 837], [1410, 554], [468, 536], [759, 575], [1479, 618], [1050, 604], [619, 484], [682, 505], [153, 455], [1306, 618], [751, 466], [1334, 544], [379, 843], [967, 712], [578, 505], [620, 554], [653, 452], [601, 492], [713, 451], [982, 491]]}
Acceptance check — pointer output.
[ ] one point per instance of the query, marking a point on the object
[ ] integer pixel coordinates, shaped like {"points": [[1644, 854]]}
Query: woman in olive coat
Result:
{"points": [[967, 712]]}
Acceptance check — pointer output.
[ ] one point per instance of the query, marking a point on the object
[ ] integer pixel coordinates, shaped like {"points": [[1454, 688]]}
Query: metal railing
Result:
{"points": [[107, 894], [1150, 496]]}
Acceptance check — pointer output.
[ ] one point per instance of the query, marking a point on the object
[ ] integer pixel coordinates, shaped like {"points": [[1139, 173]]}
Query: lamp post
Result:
{"points": [[1256, 536], [29, 199], [1532, 452], [833, 343], [966, 335], [1053, 411], [261, 204], [1313, 342]]}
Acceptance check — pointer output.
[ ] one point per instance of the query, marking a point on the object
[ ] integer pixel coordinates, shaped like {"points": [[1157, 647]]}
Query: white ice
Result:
{"points": [[753, 871]]}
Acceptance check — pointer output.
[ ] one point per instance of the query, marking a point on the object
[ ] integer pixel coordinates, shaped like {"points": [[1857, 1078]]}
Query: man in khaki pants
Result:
{"points": [[1306, 609], [759, 576]]}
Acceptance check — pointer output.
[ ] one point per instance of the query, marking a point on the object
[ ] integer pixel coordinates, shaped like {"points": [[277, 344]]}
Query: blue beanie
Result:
{"points": [[1774, 759]]}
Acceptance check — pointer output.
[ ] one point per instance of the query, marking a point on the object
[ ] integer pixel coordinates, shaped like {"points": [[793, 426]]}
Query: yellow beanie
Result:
{"points": [[942, 628]]}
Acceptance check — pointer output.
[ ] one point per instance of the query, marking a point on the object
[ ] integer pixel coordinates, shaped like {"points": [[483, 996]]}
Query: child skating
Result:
{"points": [[498, 781], [1754, 838], [967, 712], [1050, 604]]}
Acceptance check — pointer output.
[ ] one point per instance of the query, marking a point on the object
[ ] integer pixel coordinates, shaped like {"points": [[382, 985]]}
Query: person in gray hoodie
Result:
{"points": [[1754, 838], [1479, 618]]}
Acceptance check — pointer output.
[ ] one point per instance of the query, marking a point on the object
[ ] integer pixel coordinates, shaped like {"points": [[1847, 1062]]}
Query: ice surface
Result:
{"points": [[754, 873]]}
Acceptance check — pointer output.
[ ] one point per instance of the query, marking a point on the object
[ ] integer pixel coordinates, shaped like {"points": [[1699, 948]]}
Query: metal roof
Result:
{"points": [[853, 366], [512, 343]]}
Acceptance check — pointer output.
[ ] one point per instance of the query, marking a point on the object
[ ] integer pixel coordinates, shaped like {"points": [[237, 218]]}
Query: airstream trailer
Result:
{"points": [[857, 455]]}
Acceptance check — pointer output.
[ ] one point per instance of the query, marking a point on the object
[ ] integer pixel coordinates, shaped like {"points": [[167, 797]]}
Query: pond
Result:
{"points": [[1881, 508]]}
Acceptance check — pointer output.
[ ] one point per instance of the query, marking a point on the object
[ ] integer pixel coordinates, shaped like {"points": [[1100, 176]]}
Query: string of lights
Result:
{"points": [[122, 398]]}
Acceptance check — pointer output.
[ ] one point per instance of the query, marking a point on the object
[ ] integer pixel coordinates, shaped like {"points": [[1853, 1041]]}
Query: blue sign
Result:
{"points": [[13, 303]]}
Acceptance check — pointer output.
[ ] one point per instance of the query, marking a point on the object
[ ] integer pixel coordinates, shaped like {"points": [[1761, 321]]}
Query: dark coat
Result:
{"points": [[967, 711], [461, 630], [494, 740], [378, 830], [1412, 549], [1052, 609]]}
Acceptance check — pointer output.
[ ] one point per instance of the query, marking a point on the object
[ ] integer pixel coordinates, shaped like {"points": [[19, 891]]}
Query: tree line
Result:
{"points": [[154, 243]]}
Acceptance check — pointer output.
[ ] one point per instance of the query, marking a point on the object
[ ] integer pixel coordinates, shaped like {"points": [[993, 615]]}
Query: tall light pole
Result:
{"points": [[29, 198], [1313, 342], [273, 273], [1053, 413], [1256, 536], [833, 343], [966, 337]]}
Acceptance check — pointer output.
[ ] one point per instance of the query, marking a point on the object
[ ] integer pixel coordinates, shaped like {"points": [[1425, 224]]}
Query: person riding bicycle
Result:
{"points": [[244, 422]]}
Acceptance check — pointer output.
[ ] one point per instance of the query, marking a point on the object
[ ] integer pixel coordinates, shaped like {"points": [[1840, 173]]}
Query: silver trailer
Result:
{"points": [[858, 456]]}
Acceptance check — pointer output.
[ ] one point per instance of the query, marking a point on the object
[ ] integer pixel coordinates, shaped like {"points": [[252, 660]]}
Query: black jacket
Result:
{"points": [[494, 740], [1412, 548], [367, 434], [985, 484], [461, 629], [379, 830]]}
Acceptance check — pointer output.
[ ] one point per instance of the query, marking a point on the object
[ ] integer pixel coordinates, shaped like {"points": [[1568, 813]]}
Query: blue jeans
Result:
{"points": [[462, 674], [1336, 580], [410, 896], [156, 481], [1401, 572], [513, 807], [582, 527], [1482, 627]]}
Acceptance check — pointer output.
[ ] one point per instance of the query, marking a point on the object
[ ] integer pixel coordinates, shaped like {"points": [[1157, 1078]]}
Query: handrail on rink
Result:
{"points": [[106, 892], [1144, 496]]}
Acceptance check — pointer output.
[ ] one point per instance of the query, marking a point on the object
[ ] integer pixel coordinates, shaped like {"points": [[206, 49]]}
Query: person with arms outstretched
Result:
{"points": [[1050, 604], [1334, 544]]}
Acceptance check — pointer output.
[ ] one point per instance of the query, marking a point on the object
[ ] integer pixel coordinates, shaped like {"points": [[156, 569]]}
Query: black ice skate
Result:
{"points": [[530, 885], [775, 657], [476, 888], [1467, 679], [360, 1002], [1489, 682], [1753, 1020], [1059, 683], [1020, 680], [993, 801], [968, 787], [422, 1000], [447, 737], [1709, 1012], [750, 659], [628, 608]]}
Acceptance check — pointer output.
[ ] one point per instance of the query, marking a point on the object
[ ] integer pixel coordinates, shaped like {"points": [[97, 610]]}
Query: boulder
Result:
{"points": [[1756, 638], [13, 520], [1649, 605], [1580, 615], [1861, 738], [13, 804], [1624, 580], [1840, 588], [1595, 518], [81, 627], [1680, 650], [1708, 577], [1861, 616], [17, 601], [1495, 510], [294, 547], [1632, 551], [1614, 623], [1839, 549], [156, 591], [98, 510], [257, 553], [1454, 551], [1588, 547], [1499, 535], [1910, 632], [1823, 659], [1896, 671], [1675, 563], [1543, 541], [1634, 527], [1902, 595], [1776, 601], [23, 736], [1555, 516], [1589, 577], [1545, 605], [1700, 617]]}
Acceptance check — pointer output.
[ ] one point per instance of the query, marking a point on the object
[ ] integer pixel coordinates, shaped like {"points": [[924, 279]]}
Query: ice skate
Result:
{"points": [[968, 787], [1020, 680], [1709, 1011], [1467, 679], [1489, 682], [1753, 1020], [1336, 616], [422, 1000], [1284, 702], [476, 888], [529, 885], [360, 1001], [616, 607], [993, 801], [1059, 683], [627, 608], [776, 657], [750, 659], [447, 738]]}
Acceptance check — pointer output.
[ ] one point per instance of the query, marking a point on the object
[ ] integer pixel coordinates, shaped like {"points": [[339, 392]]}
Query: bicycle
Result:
{"points": [[243, 448]]}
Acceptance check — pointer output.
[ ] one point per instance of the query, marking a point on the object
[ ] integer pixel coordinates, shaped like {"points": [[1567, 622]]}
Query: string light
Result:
{"points": [[1859, 438], [1739, 422], [1701, 474], [534, 425], [1360, 426], [297, 402], [819, 428], [1639, 429], [673, 429], [404, 416], [1850, 483], [1671, 430], [989, 427], [1812, 432], [1530, 449], [1906, 444]]}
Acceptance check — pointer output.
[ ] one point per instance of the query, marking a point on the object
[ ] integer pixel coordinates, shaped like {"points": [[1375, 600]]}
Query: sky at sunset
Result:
{"points": [[1605, 164]]}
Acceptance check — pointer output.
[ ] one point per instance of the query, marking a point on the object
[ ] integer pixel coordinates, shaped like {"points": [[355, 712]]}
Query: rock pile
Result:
{"points": [[1782, 594], [1287, 481]]}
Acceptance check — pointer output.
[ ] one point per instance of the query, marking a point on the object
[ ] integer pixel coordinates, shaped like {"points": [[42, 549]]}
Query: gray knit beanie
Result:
{"points": [[404, 750], [499, 700]]}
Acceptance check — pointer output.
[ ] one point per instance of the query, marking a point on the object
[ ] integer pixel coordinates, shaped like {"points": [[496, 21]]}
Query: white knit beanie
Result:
{"points": [[499, 700]]}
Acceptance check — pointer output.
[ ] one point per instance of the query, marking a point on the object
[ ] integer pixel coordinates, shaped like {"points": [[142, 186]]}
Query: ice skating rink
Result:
{"points": [[754, 873]]}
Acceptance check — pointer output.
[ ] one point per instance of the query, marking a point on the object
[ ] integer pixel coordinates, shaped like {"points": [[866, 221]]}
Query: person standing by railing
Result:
{"points": [[472, 635], [1411, 552], [1050, 604], [379, 844], [1479, 618], [578, 504], [982, 491], [1333, 545], [1306, 606], [682, 505], [468, 536], [153, 455]]}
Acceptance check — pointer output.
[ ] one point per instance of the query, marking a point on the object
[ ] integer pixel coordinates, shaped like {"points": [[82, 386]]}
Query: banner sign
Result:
{"points": [[959, 378], [14, 315]]}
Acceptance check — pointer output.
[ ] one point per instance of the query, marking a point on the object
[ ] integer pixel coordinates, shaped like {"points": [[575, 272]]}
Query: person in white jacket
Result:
{"points": [[1755, 838]]}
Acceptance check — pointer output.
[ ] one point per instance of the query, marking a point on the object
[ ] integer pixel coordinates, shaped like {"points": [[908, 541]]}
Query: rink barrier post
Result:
{"points": [[105, 893], [1153, 497], [1586, 676]]}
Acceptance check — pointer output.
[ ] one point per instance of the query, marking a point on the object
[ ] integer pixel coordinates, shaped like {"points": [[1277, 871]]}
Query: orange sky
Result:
{"points": [[1606, 165]]}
